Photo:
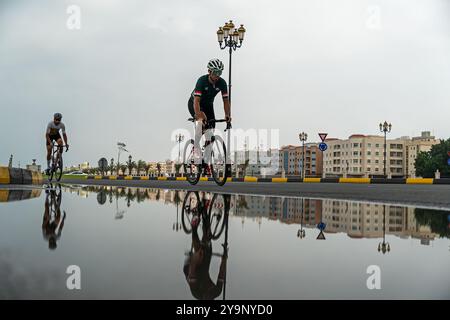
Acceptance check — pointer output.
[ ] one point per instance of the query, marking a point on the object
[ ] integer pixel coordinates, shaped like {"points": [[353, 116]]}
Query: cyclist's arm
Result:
{"points": [[63, 129], [227, 108], [198, 113], [47, 135]]}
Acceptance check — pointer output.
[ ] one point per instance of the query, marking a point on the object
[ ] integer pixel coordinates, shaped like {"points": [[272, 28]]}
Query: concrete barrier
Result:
{"points": [[19, 176]]}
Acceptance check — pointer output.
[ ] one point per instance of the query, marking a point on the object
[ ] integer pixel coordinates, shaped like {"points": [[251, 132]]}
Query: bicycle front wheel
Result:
{"points": [[219, 160], [192, 169], [59, 168]]}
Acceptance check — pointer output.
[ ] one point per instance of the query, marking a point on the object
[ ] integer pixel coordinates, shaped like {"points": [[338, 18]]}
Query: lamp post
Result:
{"points": [[303, 137], [384, 246], [121, 147], [129, 165], [179, 138], [112, 165], [385, 127], [230, 37]]}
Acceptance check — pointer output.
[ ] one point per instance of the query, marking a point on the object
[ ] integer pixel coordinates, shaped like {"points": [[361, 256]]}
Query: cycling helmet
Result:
{"points": [[57, 116], [215, 66]]}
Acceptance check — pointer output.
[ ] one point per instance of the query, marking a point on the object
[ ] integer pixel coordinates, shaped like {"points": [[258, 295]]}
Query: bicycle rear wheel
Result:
{"points": [[191, 208], [192, 169], [219, 160], [216, 215]]}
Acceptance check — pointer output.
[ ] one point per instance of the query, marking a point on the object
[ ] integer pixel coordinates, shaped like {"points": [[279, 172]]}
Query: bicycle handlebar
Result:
{"points": [[213, 121]]}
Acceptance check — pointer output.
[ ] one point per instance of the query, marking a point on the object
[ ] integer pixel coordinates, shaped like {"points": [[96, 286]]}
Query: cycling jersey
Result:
{"points": [[53, 129], [207, 91]]}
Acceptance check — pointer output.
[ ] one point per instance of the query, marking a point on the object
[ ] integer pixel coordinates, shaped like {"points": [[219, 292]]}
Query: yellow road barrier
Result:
{"points": [[354, 180], [419, 181], [311, 180], [279, 179], [4, 175]]}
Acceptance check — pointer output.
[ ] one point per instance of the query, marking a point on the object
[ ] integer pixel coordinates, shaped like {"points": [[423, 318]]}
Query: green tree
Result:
{"points": [[177, 168], [158, 167], [427, 163], [141, 165], [437, 220]]}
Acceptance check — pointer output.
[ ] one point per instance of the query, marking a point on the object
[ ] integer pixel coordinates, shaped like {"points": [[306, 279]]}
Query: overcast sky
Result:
{"points": [[335, 66]]}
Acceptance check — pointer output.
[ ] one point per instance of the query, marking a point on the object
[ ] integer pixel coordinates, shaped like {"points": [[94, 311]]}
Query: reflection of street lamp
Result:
{"points": [[176, 225], [384, 246], [231, 38], [385, 127], [303, 137], [301, 232]]}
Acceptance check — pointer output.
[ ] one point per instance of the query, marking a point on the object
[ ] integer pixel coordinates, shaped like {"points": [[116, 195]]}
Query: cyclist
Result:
{"points": [[52, 224], [201, 101], [52, 134]]}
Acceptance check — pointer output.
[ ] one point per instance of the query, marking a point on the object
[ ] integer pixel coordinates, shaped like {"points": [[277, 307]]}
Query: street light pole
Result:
{"points": [[303, 137], [231, 38], [179, 138], [385, 127]]}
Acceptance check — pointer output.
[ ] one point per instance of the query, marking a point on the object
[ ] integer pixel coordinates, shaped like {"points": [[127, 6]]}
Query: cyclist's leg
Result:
{"points": [[49, 154], [197, 134]]}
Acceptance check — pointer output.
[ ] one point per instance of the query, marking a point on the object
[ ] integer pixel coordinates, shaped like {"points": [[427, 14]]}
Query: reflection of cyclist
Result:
{"points": [[52, 223], [52, 134], [196, 266]]}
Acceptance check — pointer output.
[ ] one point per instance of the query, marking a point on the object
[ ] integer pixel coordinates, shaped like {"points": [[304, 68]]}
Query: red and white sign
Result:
{"points": [[323, 136]]}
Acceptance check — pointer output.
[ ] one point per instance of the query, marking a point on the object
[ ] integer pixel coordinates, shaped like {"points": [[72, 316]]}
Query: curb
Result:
{"points": [[19, 176], [285, 180]]}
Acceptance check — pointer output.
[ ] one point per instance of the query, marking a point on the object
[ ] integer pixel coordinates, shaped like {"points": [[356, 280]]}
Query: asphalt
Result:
{"points": [[435, 196]]}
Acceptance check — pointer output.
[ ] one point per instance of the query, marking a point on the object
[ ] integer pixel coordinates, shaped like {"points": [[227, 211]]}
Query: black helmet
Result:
{"points": [[57, 116]]}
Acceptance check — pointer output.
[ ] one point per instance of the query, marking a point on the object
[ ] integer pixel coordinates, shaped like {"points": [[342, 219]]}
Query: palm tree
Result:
{"points": [[147, 169], [158, 167], [177, 168], [123, 168], [141, 164]]}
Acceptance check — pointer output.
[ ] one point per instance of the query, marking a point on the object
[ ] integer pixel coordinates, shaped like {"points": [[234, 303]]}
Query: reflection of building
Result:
{"points": [[363, 155], [291, 159], [356, 219]]}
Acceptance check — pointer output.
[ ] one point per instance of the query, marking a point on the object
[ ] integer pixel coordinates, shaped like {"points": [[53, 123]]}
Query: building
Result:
{"points": [[34, 166], [291, 159], [259, 162], [363, 155], [423, 143]]}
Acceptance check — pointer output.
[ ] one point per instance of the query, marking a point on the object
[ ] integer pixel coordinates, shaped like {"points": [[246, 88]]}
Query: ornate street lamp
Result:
{"points": [[230, 37], [386, 128], [303, 137]]}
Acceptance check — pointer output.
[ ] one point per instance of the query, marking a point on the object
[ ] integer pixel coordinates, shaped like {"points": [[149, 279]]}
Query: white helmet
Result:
{"points": [[215, 66]]}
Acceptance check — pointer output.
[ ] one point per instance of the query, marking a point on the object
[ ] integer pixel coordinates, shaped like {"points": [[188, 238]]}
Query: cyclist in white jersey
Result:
{"points": [[53, 134]]}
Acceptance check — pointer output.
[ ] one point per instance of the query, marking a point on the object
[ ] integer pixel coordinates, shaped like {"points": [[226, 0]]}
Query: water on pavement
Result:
{"points": [[131, 243]]}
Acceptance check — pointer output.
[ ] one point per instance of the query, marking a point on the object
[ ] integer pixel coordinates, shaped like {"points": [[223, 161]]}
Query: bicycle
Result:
{"points": [[218, 161], [210, 212], [56, 168]]}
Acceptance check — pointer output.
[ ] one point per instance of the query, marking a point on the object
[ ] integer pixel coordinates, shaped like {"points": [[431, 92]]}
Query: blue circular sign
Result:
{"points": [[448, 161], [323, 146]]}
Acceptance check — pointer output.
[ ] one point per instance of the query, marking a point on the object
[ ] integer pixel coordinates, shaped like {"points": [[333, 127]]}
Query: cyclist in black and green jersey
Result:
{"points": [[201, 102]]}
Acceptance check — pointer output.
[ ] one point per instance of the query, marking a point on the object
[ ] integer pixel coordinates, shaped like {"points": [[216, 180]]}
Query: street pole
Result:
{"points": [[385, 128]]}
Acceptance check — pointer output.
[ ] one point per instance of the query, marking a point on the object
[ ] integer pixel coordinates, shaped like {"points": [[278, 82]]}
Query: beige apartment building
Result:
{"points": [[363, 155], [291, 158]]}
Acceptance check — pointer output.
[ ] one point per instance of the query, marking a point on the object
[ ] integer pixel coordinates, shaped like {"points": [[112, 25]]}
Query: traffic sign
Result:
{"points": [[448, 162], [448, 153], [323, 146], [323, 136]]}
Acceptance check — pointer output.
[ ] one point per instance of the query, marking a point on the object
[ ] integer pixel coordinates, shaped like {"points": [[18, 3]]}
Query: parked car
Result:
{"points": [[77, 173]]}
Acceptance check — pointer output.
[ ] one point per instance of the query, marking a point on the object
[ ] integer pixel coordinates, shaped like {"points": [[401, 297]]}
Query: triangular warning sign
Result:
{"points": [[323, 136], [321, 236]]}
